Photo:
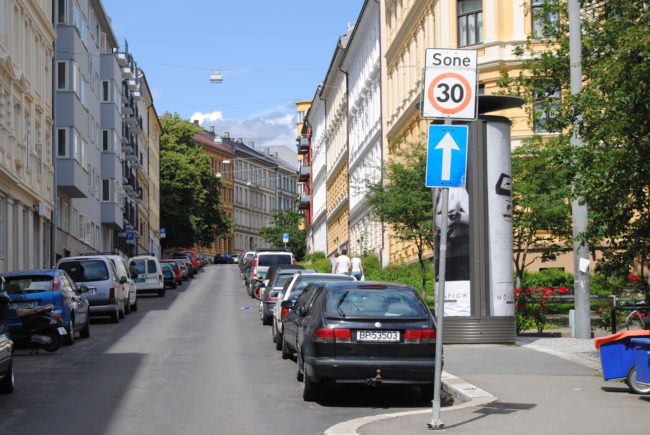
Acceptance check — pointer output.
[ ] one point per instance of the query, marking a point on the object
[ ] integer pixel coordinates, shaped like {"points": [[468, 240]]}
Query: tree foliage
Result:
{"points": [[189, 191], [286, 221], [611, 172], [404, 202]]}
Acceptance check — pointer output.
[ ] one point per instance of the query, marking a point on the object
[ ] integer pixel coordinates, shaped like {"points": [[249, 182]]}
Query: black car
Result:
{"points": [[367, 333], [224, 259], [6, 349], [269, 292]]}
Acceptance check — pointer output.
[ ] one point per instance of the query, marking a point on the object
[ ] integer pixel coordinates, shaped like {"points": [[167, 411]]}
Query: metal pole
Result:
{"points": [[579, 211], [436, 422]]}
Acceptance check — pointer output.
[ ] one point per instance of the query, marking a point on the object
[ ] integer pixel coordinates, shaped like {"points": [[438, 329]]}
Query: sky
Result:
{"points": [[272, 53]]}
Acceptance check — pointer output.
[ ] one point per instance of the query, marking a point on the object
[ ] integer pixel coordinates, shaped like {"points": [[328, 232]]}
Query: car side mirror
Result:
{"points": [[83, 289], [134, 275], [286, 304], [123, 280]]}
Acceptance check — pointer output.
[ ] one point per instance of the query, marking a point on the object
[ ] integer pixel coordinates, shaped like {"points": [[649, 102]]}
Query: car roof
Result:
{"points": [[85, 257], [367, 285], [143, 257], [32, 272]]}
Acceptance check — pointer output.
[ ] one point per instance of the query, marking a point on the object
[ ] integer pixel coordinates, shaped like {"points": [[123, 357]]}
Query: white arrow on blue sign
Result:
{"points": [[285, 237], [447, 156]]}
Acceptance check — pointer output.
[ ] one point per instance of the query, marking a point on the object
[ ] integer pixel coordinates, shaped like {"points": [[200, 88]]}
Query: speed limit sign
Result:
{"points": [[449, 84]]}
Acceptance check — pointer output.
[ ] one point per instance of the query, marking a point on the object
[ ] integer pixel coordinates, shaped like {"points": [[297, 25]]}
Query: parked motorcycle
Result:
{"points": [[40, 328]]}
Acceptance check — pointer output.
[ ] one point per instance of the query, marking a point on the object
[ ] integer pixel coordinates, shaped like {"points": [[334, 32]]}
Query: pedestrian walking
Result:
{"points": [[333, 261], [357, 268], [342, 265]]}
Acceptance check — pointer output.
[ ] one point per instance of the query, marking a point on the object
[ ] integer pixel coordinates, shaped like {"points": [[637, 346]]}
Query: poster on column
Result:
{"points": [[499, 200], [457, 282]]}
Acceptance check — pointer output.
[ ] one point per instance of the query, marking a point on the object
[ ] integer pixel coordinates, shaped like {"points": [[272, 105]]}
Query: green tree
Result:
{"points": [[541, 215], [189, 191], [286, 221], [404, 202], [612, 115]]}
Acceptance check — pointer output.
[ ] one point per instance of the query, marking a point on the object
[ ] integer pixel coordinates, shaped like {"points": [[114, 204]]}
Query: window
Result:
{"points": [[106, 190], [3, 221], [470, 22], [106, 91], [61, 75], [61, 142], [106, 141], [544, 20], [546, 105]]}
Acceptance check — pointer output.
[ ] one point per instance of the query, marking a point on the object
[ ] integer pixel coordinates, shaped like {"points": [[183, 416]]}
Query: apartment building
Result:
{"points": [[102, 146], [27, 187], [303, 138], [254, 193], [222, 161], [361, 63]]}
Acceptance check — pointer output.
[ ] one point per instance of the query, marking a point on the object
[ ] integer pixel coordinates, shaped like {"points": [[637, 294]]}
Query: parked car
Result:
{"points": [[245, 258], [363, 333], [128, 288], [98, 274], [148, 274], [293, 289], [264, 259], [269, 293], [223, 259], [169, 279], [176, 268], [6, 349], [194, 258], [191, 270], [31, 288]]}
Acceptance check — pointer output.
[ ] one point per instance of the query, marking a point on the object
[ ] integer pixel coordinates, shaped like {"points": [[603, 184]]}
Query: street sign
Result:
{"points": [[285, 237], [447, 156], [163, 233], [449, 84], [130, 237]]}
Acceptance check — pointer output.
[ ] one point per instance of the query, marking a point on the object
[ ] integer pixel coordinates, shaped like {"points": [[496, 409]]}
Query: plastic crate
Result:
{"points": [[642, 359], [617, 353]]}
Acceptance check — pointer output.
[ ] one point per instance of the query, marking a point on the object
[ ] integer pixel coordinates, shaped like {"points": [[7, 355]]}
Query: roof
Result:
{"points": [[206, 138], [245, 149]]}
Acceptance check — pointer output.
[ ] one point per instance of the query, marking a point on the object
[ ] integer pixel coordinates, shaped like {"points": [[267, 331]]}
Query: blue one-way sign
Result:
{"points": [[447, 156]]}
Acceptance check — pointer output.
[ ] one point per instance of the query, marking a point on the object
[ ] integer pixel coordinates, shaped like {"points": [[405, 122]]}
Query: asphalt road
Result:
{"points": [[196, 361]]}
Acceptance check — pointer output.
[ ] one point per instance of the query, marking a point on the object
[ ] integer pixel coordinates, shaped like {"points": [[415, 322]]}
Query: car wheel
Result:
{"points": [[85, 332], [7, 384], [286, 352], [278, 340], [161, 292], [274, 333], [68, 340], [426, 392], [174, 285], [127, 306], [55, 341], [121, 312], [134, 307], [300, 370], [115, 317], [310, 389], [266, 320], [636, 386]]}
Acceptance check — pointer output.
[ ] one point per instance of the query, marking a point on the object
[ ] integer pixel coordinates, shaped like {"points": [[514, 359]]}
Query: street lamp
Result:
{"points": [[216, 77]]}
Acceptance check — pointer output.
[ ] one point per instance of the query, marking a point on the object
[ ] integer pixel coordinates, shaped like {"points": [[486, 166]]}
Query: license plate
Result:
{"points": [[21, 305], [139, 280], [62, 330], [378, 336]]}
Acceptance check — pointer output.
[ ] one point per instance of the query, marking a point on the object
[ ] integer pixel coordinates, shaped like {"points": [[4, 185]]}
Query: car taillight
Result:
{"points": [[57, 315], [416, 336], [283, 312], [55, 284], [111, 295], [270, 297], [327, 335], [160, 277]]}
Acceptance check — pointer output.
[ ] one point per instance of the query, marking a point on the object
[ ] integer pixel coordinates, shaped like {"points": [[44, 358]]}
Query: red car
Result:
{"points": [[178, 275], [195, 258]]}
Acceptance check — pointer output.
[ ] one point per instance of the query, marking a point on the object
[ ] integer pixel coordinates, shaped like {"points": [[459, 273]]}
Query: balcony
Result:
{"points": [[131, 119], [137, 95], [122, 59], [131, 157], [112, 215], [303, 174], [303, 203], [131, 84], [136, 127], [71, 178], [127, 148], [126, 72], [303, 145], [127, 110]]}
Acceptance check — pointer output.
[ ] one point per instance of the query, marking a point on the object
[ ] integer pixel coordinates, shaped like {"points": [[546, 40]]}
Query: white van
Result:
{"points": [[128, 287], [147, 273]]}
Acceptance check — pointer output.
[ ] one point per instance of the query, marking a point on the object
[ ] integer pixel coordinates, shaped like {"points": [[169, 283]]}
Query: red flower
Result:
{"points": [[517, 291], [542, 305], [633, 277], [545, 296], [563, 290]]}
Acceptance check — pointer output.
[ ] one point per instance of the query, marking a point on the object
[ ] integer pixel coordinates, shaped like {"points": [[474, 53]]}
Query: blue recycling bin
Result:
{"points": [[642, 359], [617, 353]]}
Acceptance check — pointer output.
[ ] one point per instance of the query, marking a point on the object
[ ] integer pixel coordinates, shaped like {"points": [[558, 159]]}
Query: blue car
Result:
{"points": [[27, 289]]}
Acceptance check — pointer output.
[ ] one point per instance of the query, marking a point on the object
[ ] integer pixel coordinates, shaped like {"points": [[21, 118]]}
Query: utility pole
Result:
{"points": [[579, 211]]}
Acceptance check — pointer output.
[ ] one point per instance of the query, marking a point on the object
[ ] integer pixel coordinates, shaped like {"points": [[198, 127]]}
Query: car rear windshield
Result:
{"points": [[273, 259], [282, 279], [86, 270], [305, 280], [28, 284], [374, 303]]}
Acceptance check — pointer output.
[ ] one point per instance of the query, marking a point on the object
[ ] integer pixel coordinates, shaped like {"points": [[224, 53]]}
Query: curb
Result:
{"points": [[468, 393]]}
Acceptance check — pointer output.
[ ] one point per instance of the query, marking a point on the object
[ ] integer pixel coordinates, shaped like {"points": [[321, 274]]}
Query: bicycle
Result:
{"points": [[637, 320]]}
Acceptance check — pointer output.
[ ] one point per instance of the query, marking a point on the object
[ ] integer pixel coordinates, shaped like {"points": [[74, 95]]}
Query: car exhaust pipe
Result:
{"points": [[373, 382]]}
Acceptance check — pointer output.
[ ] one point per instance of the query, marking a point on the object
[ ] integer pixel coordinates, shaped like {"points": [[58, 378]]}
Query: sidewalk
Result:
{"points": [[542, 385]]}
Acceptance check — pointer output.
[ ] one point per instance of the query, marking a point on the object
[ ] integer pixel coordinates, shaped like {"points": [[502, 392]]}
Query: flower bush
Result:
{"points": [[532, 306]]}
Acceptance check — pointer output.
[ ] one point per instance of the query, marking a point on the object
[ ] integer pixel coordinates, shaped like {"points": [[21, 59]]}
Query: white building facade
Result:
{"points": [[317, 232], [361, 61], [26, 168]]}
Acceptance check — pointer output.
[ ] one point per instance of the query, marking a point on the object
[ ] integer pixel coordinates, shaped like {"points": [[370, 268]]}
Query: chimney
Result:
{"points": [[226, 134], [196, 122], [240, 140], [212, 129]]}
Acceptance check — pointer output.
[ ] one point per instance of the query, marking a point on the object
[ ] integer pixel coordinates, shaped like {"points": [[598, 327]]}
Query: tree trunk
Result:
{"points": [[423, 271]]}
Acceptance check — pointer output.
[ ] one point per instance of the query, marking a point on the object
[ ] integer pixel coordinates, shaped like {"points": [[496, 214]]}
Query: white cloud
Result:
{"points": [[209, 117], [274, 127]]}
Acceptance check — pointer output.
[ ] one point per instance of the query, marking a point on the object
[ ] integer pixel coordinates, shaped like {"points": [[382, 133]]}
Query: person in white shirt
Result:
{"points": [[342, 265], [333, 261], [357, 268]]}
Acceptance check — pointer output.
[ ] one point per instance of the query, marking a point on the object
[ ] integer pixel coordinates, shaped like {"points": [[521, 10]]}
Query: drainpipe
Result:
{"points": [[54, 139]]}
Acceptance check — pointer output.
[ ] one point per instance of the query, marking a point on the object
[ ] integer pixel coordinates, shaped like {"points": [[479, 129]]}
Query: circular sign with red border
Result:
{"points": [[450, 93]]}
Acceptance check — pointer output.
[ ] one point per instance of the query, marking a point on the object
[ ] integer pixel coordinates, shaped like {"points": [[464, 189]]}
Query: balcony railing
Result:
{"points": [[302, 144], [303, 174], [304, 202]]}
